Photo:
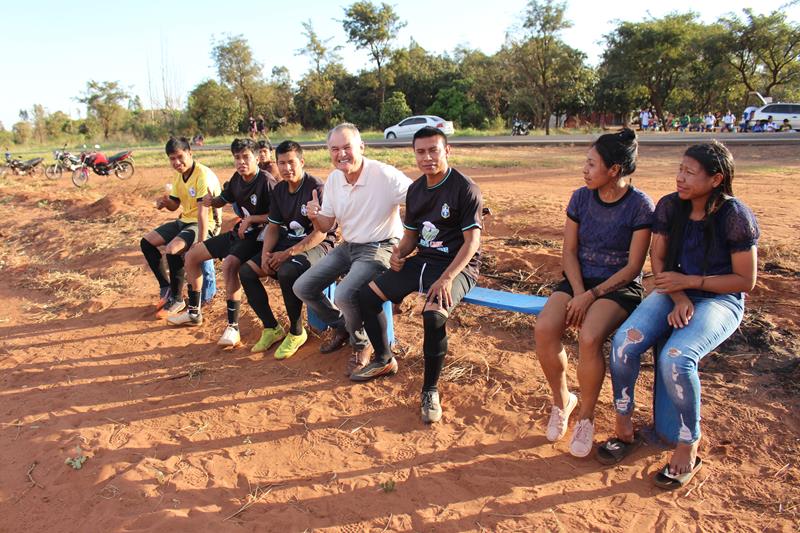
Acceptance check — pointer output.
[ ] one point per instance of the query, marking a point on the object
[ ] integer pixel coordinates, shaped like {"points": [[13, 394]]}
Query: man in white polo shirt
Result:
{"points": [[363, 196]]}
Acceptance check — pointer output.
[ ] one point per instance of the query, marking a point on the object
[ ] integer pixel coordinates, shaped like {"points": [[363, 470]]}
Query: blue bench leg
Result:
{"points": [[209, 281], [315, 322]]}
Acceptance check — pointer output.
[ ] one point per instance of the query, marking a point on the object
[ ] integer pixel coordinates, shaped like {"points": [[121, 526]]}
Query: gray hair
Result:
{"points": [[342, 127]]}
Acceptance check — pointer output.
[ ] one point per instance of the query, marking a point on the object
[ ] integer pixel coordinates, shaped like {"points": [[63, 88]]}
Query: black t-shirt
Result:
{"points": [[441, 214], [288, 210], [250, 198]]}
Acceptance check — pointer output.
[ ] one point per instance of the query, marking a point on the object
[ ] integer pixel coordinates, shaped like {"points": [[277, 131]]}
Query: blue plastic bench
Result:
{"points": [[506, 301], [316, 322]]}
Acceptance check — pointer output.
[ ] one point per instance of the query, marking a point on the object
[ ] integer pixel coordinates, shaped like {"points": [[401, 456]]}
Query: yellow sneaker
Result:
{"points": [[290, 345], [269, 336]]}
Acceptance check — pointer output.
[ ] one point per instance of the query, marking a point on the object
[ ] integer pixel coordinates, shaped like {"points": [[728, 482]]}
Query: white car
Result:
{"points": [[778, 111], [406, 128]]}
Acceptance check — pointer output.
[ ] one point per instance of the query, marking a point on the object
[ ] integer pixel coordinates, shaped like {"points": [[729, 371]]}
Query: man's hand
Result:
{"points": [[313, 207], [161, 202], [243, 225], [396, 261], [440, 292], [278, 258], [207, 199]]}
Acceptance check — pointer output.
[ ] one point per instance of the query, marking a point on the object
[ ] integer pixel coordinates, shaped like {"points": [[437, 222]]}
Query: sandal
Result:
{"points": [[614, 450], [665, 480]]}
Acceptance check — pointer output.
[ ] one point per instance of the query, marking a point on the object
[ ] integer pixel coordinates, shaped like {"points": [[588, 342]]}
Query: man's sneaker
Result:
{"points": [[582, 438], [187, 318], [173, 307], [559, 418], [358, 360], [269, 336], [338, 339], [290, 345], [431, 408], [374, 370], [164, 294], [230, 337]]}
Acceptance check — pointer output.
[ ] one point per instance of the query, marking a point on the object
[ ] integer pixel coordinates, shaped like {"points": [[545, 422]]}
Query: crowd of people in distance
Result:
{"points": [[648, 120], [307, 233]]}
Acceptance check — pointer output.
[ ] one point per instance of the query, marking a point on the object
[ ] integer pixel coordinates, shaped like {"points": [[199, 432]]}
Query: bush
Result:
{"points": [[394, 109]]}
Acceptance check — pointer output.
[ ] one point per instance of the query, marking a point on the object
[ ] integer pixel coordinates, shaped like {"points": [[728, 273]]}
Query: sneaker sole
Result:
{"points": [[184, 324], [381, 373], [273, 343], [429, 420]]}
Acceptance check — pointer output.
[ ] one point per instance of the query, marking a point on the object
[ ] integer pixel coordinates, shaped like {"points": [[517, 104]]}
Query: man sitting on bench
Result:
{"points": [[443, 224]]}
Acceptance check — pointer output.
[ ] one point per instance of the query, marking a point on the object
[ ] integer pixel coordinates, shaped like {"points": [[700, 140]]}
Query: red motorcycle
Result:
{"points": [[120, 164]]}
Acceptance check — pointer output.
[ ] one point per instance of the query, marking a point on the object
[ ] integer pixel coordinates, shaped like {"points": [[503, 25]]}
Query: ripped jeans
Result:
{"points": [[715, 319]]}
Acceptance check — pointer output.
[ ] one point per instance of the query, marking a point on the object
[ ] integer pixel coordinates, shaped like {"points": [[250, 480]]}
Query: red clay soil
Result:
{"points": [[180, 435]]}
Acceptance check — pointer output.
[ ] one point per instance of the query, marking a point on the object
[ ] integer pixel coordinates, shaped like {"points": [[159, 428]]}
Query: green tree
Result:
{"points": [[104, 104], [455, 103], [238, 70], [214, 108], [39, 122], [373, 28], [394, 109], [58, 123], [315, 99], [419, 75], [319, 51], [23, 132]]}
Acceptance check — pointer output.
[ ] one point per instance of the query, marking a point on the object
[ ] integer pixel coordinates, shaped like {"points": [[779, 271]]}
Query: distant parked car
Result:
{"points": [[406, 128], [778, 112]]}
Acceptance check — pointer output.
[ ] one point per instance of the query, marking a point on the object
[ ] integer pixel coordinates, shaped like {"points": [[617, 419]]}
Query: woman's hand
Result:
{"points": [[669, 282], [681, 314], [577, 308]]}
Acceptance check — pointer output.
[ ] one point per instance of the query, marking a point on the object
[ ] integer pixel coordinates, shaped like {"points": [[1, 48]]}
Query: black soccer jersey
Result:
{"points": [[249, 197], [288, 210], [441, 214]]}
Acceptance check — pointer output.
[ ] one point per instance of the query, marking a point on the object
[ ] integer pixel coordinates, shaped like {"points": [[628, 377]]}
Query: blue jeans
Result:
{"points": [[209, 281], [714, 320], [359, 264]]}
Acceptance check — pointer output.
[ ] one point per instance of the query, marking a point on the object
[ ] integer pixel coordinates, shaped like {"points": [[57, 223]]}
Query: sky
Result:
{"points": [[157, 48]]}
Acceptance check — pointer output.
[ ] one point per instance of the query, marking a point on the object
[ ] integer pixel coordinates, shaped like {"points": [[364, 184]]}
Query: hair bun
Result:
{"points": [[627, 135]]}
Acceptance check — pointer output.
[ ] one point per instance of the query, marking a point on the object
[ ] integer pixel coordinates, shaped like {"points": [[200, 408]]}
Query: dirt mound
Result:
{"points": [[105, 207]]}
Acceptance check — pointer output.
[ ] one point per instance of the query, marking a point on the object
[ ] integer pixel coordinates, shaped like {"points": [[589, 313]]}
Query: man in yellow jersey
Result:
{"points": [[195, 224]]}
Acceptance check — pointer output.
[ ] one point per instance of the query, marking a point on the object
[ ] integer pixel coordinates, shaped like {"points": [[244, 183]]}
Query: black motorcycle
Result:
{"points": [[64, 160], [20, 167], [520, 127]]}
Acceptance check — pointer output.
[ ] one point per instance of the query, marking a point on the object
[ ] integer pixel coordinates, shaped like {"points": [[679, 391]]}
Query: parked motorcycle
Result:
{"points": [[120, 164], [64, 160], [520, 127], [20, 167]]}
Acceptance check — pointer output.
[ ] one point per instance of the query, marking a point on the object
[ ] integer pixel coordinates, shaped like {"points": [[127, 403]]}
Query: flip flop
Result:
{"points": [[665, 480], [614, 450]]}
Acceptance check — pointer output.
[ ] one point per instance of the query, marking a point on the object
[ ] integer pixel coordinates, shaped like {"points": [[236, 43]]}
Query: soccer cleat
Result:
{"points": [[269, 336], [187, 318], [559, 418], [582, 438], [374, 370], [164, 295], [290, 345], [431, 407], [173, 307], [230, 337]]}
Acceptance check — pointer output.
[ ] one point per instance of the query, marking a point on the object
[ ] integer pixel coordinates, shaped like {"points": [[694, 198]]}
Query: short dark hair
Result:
{"points": [[177, 143], [619, 148], [263, 143], [429, 131], [240, 145], [289, 146]]}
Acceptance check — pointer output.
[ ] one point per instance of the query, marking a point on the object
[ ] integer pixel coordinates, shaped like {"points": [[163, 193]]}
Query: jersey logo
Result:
{"points": [[303, 210], [253, 199], [192, 192], [297, 229], [445, 211]]}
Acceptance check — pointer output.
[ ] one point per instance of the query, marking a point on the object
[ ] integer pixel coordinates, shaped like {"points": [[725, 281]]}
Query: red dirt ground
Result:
{"points": [[180, 435]]}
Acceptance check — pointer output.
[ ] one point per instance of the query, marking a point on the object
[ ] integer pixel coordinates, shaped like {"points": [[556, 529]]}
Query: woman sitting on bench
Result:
{"points": [[704, 260], [605, 243]]}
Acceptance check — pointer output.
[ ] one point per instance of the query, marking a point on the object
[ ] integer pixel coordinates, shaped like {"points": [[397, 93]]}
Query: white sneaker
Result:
{"points": [[559, 418], [185, 319], [230, 337], [582, 438]]}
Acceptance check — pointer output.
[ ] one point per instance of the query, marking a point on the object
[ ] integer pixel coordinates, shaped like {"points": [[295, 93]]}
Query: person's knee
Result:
{"points": [[194, 256], [176, 246], [368, 300], [146, 245], [674, 361], [435, 340], [433, 320], [246, 273], [231, 266], [590, 339], [287, 275]]}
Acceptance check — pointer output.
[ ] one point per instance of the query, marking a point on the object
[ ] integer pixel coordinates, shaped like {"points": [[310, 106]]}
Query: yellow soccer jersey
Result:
{"points": [[189, 192]]}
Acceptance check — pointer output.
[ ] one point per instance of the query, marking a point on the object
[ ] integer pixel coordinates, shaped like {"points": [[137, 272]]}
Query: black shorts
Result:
{"points": [[187, 231], [302, 262], [628, 297], [418, 275], [229, 243]]}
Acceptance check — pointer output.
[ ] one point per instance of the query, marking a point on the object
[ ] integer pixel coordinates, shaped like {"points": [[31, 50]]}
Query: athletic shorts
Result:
{"points": [[304, 261], [187, 231], [229, 243], [418, 275], [628, 297]]}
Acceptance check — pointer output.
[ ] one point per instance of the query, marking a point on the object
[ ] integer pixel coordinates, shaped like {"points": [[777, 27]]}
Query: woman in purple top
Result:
{"points": [[605, 243], [704, 259]]}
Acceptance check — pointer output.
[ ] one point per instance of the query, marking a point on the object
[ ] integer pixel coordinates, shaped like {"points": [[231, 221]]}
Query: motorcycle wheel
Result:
{"points": [[124, 170], [80, 177], [52, 172], [38, 170]]}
